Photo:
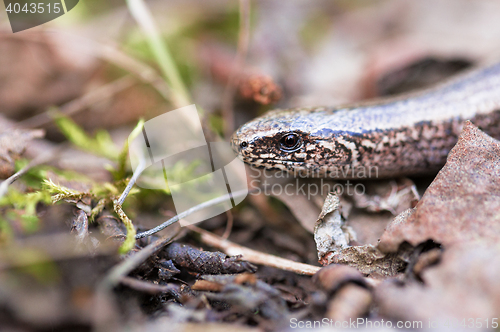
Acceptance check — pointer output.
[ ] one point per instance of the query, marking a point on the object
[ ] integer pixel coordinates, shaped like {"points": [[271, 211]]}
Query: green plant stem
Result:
{"points": [[129, 242], [122, 157], [141, 13]]}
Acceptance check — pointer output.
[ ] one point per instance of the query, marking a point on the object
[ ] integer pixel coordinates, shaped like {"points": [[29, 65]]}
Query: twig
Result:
{"points": [[150, 288], [129, 242], [176, 218], [192, 210], [138, 171], [243, 41], [41, 159], [253, 256]]}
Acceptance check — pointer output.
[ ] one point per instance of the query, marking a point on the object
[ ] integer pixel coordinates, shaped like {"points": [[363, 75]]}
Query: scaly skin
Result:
{"points": [[407, 135]]}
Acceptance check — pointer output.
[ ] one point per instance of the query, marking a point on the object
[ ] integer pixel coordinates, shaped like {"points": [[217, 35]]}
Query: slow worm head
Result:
{"points": [[407, 135]]}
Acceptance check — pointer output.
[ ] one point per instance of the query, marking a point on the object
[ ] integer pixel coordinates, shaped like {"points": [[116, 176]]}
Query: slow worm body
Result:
{"points": [[406, 135]]}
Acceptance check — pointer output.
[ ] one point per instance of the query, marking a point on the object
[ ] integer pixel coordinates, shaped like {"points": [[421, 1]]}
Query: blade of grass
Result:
{"points": [[141, 13], [122, 157], [41, 159], [239, 61], [101, 144]]}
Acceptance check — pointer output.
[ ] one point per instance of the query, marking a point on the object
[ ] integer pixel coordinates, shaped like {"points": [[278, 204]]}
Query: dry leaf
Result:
{"points": [[41, 72], [368, 260], [12, 145], [332, 241], [463, 202], [393, 196], [334, 276], [464, 285], [328, 233]]}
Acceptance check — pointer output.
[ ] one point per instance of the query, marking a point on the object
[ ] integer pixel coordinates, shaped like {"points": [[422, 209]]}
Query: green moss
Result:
{"points": [[101, 144], [20, 206]]}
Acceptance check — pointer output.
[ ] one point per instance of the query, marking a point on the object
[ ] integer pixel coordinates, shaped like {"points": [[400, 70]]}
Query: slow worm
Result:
{"points": [[404, 135]]}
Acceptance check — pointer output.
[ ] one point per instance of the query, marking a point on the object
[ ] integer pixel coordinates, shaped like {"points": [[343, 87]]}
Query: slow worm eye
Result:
{"points": [[290, 142]]}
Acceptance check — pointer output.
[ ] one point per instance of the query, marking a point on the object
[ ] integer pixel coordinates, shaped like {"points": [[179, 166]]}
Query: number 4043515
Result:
{"points": [[33, 8]]}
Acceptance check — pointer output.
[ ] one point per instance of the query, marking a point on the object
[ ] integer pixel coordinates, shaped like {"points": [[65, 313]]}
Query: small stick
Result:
{"points": [[140, 168], [150, 288], [41, 159], [215, 201], [253, 256], [194, 209]]}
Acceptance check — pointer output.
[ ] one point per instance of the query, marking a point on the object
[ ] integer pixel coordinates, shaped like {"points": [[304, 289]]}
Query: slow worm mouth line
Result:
{"points": [[271, 163], [272, 160]]}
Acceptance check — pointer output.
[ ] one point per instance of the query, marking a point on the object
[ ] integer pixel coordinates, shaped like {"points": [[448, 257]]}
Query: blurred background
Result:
{"points": [[73, 89]]}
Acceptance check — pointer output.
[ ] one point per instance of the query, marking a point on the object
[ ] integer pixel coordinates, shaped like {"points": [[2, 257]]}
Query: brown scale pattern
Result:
{"points": [[417, 150]]}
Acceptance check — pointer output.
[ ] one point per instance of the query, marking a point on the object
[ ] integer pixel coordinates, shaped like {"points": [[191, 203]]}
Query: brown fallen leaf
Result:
{"points": [[368, 260], [13, 143], [364, 210], [329, 233], [332, 239], [462, 204], [464, 285], [42, 70], [394, 196], [334, 276], [304, 205], [368, 226]]}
